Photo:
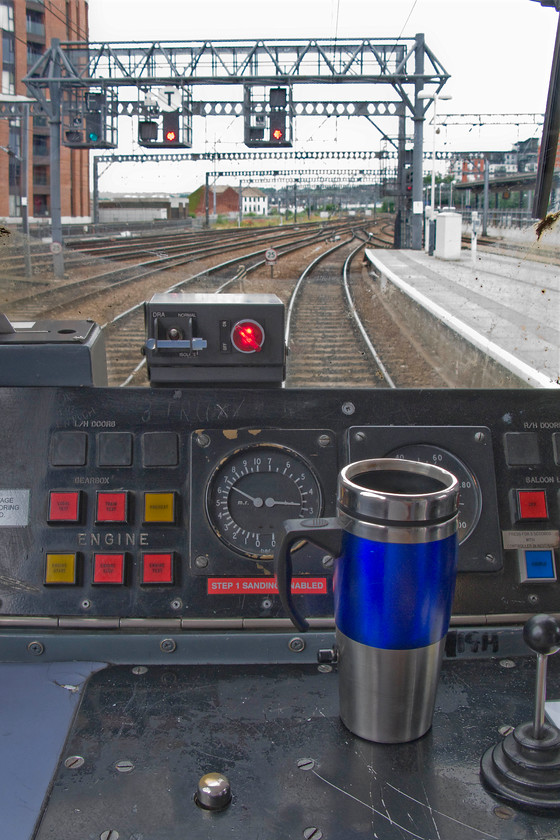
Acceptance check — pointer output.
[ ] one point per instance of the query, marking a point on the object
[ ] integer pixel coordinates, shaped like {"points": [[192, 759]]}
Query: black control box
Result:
{"points": [[209, 338], [52, 353]]}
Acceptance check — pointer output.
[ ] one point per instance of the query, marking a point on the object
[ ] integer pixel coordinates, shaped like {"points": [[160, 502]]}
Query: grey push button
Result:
{"points": [[68, 449], [522, 449], [114, 449], [160, 449], [536, 565], [556, 445]]}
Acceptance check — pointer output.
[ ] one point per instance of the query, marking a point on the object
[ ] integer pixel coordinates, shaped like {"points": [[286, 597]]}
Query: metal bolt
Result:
{"points": [[176, 604], [168, 645], [139, 669], [201, 562], [124, 766], [312, 833], [503, 812], [505, 730], [533, 599], [324, 669], [305, 763], [35, 648], [111, 834], [507, 663], [348, 408], [324, 440], [203, 439], [74, 761], [328, 561], [479, 437], [490, 558], [360, 437], [296, 644]]}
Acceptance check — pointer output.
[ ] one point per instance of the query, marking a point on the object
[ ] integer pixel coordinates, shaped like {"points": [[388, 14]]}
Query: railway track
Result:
{"points": [[54, 301], [341, 331]]}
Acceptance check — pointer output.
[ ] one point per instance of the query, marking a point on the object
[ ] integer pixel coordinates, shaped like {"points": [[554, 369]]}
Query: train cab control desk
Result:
{"points": [[151, 684]]}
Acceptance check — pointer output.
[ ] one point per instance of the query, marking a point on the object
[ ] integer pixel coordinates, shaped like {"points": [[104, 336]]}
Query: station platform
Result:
{"points": [[507, 307]]}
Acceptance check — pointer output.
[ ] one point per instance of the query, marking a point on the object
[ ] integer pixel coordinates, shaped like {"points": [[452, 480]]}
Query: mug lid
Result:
{"points": [[395, 490]]}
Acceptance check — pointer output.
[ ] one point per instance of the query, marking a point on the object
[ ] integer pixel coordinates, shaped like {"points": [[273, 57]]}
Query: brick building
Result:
{"points": [[27, 29], [224, 200]]}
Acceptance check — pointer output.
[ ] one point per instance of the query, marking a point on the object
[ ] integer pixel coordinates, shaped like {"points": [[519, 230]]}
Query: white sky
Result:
{"points": [[498, 53]]}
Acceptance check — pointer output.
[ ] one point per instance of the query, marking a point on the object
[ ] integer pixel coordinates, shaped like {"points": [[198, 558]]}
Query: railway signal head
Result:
{"points": [[171, 134], [163, 131]]}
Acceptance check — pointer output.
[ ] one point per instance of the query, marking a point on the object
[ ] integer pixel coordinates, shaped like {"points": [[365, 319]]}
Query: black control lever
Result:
{"points": [[542, 635], [524, 768]]}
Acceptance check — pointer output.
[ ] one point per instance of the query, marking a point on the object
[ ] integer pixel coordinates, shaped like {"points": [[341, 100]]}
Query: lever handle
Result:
{"points": [[542, 634], [326, 533]]}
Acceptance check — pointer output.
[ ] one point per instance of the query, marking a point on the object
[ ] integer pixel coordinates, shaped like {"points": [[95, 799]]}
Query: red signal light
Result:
{"points": [[277, 134], [247, 336], [170, 136]]}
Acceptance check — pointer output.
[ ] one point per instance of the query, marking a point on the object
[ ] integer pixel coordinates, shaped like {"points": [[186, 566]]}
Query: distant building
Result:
{"points": [[224, 200], [27, 27], [254, 201]]}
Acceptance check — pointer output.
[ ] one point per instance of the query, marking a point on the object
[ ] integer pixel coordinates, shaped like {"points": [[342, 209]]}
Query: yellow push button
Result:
{"points": [[61, 568], [159, 507]]}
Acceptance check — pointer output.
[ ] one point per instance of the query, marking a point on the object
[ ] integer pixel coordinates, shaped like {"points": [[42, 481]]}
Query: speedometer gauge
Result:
{"points": [[470, 497], [253, 490]]}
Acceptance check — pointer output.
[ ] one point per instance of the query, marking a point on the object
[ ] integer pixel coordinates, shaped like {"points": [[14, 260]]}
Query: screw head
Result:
{"points": [[168, 645], [348, 408], [296, 644], [73, 762], [203, 440], [201, 561], [324, 440], [139, 669], [312, 833], [36, 648], [305, 763], [124, 766]]}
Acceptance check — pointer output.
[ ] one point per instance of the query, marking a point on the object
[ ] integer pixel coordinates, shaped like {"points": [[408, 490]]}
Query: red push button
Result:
{"points": [[157, 568], [111, 507], [108, 568], [64, 507], [532, 504]]}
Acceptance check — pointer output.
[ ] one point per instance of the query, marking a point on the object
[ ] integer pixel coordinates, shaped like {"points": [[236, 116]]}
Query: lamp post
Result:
{"points": [[424, 94]]}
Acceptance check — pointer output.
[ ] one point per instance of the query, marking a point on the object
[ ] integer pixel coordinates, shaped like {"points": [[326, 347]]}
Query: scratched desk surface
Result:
{"points": [[294, 769]]}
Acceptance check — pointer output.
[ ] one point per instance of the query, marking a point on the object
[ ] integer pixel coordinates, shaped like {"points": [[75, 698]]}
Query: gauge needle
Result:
{"points": [[257, 501], [271, 502]]}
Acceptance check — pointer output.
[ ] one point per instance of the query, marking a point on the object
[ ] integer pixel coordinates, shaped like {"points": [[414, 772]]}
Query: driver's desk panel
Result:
{"points": [[137, 528]]}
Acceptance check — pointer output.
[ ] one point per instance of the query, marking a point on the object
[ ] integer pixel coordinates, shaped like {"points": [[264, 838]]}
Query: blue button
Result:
{"points": [[540, 564]]}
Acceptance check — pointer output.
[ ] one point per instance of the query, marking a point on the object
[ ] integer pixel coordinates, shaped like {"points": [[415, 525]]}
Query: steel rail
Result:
{"points": [[357, 320]]}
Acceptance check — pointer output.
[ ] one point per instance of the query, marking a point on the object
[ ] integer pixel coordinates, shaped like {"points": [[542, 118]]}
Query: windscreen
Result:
{"points": [[388, 170]]}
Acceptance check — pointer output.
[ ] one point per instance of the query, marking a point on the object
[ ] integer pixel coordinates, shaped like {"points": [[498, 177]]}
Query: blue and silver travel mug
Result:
{"points": [[395, 543]]}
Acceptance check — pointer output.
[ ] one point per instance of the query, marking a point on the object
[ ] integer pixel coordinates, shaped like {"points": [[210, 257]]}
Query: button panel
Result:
{"points": [[537, 565], [111, 507], [64, 506], [532, 504], [61, 569]]}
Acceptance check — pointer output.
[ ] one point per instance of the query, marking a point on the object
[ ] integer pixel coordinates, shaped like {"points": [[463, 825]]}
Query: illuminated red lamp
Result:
{"points": [[277, 134], [247, 336]]}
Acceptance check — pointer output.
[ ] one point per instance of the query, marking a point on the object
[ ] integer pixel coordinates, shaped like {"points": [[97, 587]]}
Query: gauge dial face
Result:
{"points": [[253, 490], [470, 497]]}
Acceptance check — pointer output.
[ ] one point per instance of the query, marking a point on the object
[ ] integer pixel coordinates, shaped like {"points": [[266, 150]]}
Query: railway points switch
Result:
{"points": [[206, 338], [52, 353]]}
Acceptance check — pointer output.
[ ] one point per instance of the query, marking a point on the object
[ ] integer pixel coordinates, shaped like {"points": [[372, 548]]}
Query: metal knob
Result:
{"points": [[213, 792]]}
